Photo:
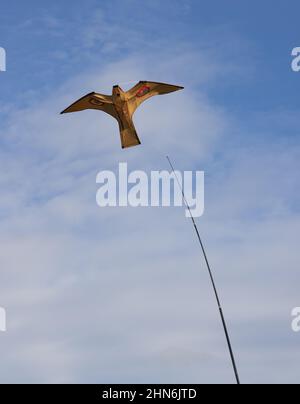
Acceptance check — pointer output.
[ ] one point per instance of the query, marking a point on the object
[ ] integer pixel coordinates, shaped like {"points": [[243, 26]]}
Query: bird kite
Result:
{"points": [[122, 104]]}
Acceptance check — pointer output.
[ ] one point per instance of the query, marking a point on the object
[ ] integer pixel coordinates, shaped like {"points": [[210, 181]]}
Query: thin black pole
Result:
{"points": [[211, 277]]}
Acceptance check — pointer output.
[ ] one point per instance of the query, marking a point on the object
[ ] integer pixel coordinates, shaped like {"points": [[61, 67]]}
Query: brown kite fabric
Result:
{"points": [[122, 105]]}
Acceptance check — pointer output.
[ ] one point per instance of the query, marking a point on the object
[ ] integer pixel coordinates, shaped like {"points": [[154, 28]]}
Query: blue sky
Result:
{"points": [[121, 295], [36, 34]]}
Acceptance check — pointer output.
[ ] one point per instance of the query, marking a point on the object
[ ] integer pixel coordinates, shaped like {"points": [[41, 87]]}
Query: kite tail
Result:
{"points": [[129, 137]]}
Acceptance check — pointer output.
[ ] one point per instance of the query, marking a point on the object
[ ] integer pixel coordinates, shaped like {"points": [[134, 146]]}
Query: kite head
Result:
{"points": [[118, 93]]}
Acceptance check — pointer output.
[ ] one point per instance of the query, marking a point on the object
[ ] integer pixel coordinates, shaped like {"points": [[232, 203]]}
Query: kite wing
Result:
{"points": [[93, 101], [147, 89]]}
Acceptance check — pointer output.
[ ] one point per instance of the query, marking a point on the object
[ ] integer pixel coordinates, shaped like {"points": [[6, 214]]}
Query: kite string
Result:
{"points": [[210, 274]]}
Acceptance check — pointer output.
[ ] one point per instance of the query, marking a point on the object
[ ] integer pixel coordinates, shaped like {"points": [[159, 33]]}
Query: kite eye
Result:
{"points": [[94, 101], [143, 91]]}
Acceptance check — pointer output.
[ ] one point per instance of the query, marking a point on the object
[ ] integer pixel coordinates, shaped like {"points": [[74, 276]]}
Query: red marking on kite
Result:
{"points": [[143, 91]]}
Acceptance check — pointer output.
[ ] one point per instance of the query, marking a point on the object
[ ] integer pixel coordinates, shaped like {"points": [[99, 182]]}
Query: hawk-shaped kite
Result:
{"points": [[122, 105]]}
